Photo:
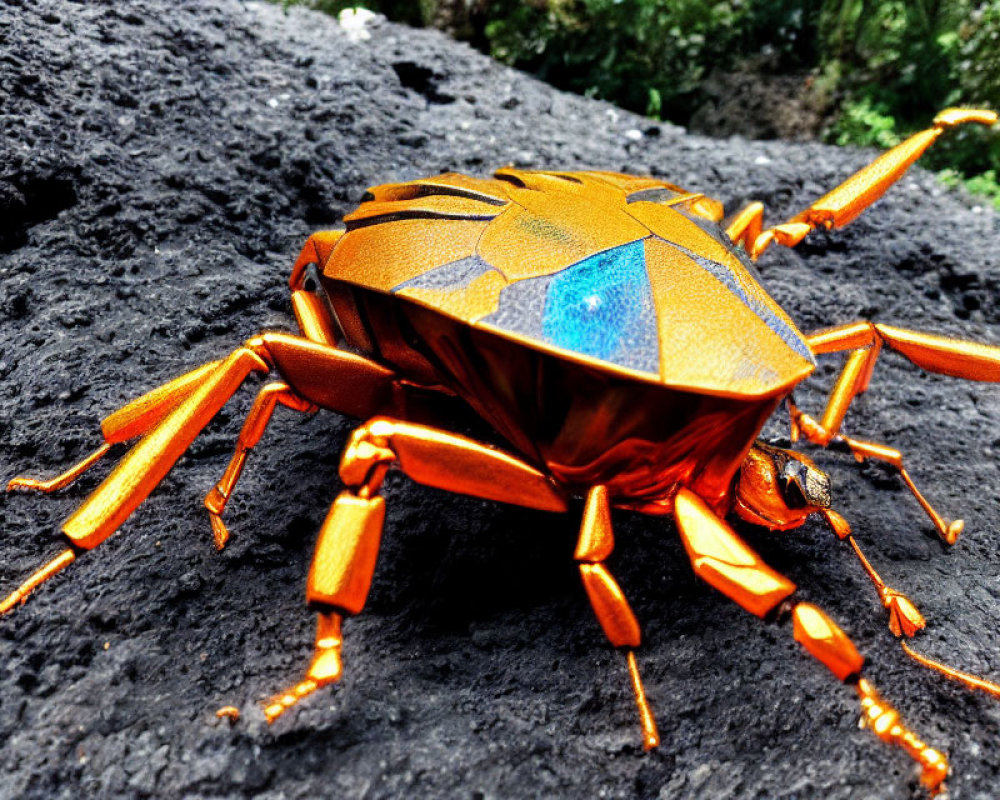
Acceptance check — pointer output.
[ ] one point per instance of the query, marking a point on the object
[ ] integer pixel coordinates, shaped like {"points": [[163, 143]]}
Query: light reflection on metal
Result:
{"points": [[614, 333]]}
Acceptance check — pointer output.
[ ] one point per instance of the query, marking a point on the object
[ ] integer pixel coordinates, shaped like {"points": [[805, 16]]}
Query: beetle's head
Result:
{"points": [[779, 488]]}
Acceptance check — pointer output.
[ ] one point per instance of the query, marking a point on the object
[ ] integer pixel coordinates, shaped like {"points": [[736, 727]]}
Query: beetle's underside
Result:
{"points": [[580, 418], [574, 421]]}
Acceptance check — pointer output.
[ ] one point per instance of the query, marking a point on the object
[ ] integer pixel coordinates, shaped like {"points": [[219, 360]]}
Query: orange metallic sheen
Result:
{"points": [[863, 341], [723, 560], [904, 618], [36, 579], [615, 615], [346, 550], [610, 606], [231, 713], [826, 642], [965, 678], [651, 737], [883, 720], [597, 539], [612, 333]]}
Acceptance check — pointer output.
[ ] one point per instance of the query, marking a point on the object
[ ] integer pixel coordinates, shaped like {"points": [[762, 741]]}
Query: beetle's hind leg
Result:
{"points": [[724, 561], [170, 417], [613, 612], [348, 543], [134, 419]]}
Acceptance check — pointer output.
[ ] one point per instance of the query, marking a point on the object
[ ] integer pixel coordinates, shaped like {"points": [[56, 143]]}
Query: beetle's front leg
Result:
{"points": [[728, 564], [905, 620], [348, 543], [864, 342]]}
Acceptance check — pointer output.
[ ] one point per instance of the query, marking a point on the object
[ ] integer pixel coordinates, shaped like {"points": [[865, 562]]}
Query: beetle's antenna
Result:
{"points": [[36, 579], [966, 679]]}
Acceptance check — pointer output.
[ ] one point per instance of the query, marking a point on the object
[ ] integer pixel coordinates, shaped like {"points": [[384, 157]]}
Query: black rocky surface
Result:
{"points": [[160, 166]]}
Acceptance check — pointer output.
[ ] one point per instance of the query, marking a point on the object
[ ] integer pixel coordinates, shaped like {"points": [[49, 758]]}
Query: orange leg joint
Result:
{"points": [[724, 561], [829, 645], [324, 669], [905, 620], [883, 720], [729, 565], [940, 354], [268, 398], [150, 460], [338, 583]]}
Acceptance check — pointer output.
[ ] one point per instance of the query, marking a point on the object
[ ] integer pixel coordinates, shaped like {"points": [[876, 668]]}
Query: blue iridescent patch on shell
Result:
{"points": [[600, 307]]}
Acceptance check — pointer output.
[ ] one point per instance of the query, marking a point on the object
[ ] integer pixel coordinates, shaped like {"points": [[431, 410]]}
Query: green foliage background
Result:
{"points": [[881, 68]]}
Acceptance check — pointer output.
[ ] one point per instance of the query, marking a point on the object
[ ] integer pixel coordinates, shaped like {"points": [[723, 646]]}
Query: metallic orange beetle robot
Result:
{"points": [[613, 333]]}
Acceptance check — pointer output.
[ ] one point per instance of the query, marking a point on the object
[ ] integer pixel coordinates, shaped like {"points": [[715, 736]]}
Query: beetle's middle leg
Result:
{"points": [[725, 562], [348, 543], [864, 341], [607, 599], [257, 419]]}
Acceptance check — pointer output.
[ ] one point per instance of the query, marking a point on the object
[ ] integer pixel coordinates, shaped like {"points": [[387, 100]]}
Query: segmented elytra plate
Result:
{"points": [[609, 269]]}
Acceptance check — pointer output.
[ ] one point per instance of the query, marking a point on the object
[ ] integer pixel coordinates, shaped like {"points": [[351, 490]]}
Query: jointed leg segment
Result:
{"points": [[253, 428], [348, 543], [724, 561], [904, 617], [844, 203], [171, 416], [134, 419], [613, 612], [864, 340], [905, 621]]}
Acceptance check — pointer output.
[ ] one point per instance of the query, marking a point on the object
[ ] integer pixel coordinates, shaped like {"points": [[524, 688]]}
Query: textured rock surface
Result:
{"points": [[160, 166]]}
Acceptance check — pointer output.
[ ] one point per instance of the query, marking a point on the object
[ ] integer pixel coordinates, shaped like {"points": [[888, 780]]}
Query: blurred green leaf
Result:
{"points": [[883, 67]]}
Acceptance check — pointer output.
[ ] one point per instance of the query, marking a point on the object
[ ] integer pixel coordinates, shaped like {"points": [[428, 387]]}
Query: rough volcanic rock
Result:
{"points": [[160, 165]]}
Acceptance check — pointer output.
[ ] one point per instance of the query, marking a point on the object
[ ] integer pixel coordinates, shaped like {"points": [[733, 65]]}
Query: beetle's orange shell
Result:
{"points": [[611, 270]]}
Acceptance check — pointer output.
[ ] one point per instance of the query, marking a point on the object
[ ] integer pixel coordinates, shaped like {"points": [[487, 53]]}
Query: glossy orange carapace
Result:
{"points": [[613, 333]]}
